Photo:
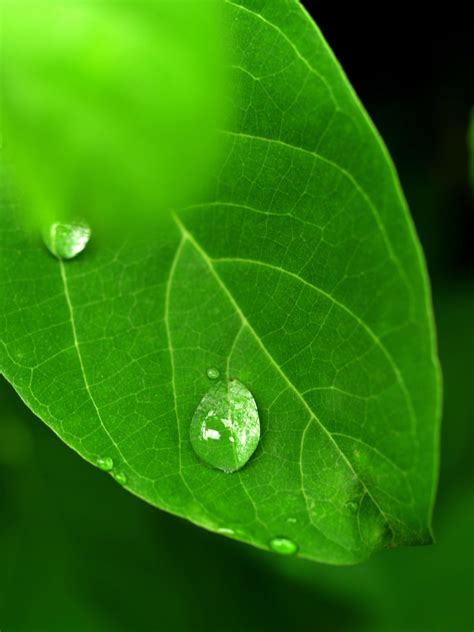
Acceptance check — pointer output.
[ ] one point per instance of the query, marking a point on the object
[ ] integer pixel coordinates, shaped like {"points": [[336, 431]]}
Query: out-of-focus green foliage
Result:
{"points": [[110, 109]]}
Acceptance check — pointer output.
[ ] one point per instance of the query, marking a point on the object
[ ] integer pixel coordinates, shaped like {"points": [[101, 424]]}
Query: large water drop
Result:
{"points": [[225, 429], [65, 240]]}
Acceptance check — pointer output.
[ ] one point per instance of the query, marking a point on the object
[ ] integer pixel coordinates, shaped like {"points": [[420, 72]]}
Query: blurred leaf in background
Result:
{"points": [[110, 109]]}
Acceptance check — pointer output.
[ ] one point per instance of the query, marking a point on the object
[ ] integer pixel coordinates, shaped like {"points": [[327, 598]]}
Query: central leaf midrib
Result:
{"points": [[370, 332]]}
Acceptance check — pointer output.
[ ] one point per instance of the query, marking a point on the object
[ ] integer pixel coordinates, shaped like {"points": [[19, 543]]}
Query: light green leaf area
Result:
{"points": [[106, 104], [301, 276]]}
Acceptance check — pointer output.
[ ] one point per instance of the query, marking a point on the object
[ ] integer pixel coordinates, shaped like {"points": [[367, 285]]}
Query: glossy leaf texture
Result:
{"points": [[301, 276]]}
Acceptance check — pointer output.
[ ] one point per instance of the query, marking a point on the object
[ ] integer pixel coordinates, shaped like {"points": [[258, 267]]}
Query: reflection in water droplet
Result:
{"points": [[212, 373], [105, 463], [120, 477], [65, 240], [352, 506], [284, 546], [225, 429]]}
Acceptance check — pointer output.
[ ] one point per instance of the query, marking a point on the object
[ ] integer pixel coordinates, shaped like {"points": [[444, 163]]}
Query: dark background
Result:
{"points": [[413, 68], [79, 554]]}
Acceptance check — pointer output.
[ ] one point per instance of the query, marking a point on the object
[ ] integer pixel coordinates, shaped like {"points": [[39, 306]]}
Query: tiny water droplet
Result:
{"points": [[65, 240], [225, 429], [284, 546], [105, 463], [292, 520], [120, 477], [352, 506], [225, 531], [212, 373]]}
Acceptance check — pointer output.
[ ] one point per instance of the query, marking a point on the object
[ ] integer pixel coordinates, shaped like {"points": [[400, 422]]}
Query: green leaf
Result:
{"points": [[301, 276]]}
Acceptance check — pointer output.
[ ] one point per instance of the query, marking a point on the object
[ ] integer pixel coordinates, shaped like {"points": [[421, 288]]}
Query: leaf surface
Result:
{"points": [[301, 276]]}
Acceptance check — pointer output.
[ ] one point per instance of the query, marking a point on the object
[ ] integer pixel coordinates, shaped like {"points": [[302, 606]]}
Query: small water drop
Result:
{"points": [[225, 531], [352, 506], [284, 546], [65, 240], [120, 477], [105, 463], [212, 373], [225, 429]]}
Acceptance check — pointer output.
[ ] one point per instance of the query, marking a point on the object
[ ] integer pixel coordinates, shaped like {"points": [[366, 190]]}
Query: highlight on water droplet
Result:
{"points": [[212, 373], [225, 429], [65, 240], [105, 463], [284, 546], [120, 477]]}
